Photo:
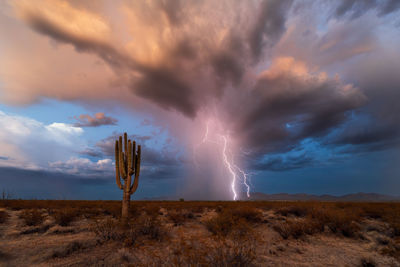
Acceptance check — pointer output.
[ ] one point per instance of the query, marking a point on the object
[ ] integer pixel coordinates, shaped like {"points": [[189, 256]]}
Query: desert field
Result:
{"points": [[197, 233]]}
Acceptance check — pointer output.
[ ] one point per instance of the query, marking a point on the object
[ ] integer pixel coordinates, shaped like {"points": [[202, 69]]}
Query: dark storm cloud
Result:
{"points": [[56, 185], [285, 108], [269, 26], [273, 112], [171, 83], [356, 8], [228, 63], [389, 7], [165, 88], [98, 119], [376, 126], [158, 84], [172, 9], [282, 163], [367, 135]]}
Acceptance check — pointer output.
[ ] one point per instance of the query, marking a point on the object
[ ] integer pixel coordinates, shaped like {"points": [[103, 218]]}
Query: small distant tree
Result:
{"points": [[5, 194]]}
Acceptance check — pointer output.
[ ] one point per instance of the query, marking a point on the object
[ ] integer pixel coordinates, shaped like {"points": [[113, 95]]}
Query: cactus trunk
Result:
{"points": [[127, 164], [125, 207]]}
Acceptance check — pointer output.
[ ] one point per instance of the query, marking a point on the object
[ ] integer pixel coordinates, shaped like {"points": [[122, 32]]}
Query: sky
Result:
{"points": [[226, 98]]}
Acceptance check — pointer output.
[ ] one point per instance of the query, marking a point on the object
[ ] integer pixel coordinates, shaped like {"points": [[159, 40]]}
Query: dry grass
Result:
{"points": [[32, 217]]}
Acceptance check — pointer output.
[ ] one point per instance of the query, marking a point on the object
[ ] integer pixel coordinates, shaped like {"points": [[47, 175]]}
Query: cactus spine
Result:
{"points": [[127, 164]]}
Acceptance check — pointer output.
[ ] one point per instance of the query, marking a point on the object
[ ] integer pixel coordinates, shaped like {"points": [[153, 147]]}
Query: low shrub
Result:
{"points": [[3, 216], [296, 229], [234, 221], [339, 221], [221, 224], [152, 210], [179, 217], [145, 227], [108, 229], [32, 217], [297, 211], [68, 249], [199, 253], [65, 217], [235, 253], [367, 262], [247, 213]]}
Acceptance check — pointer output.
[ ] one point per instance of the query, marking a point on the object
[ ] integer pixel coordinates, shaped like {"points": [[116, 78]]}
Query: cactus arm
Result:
{"points": [[126, 144], [117, 177], [132, 170], [121, 159], [129, 167], [137, 171], [129, 161]]}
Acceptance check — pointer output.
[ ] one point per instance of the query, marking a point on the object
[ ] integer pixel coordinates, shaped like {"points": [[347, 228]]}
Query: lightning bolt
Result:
{"points": [[231, 167], [245, 179]]}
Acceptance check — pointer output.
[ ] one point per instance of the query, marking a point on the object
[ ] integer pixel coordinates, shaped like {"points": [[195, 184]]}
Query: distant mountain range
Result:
{"points": [[357, 197], [373, 197]]}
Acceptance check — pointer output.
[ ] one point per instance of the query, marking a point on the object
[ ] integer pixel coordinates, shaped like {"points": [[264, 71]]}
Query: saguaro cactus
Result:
{"points": [[127, 164]]}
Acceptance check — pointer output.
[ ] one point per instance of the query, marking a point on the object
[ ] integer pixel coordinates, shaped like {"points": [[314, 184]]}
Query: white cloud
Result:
{"points": [[83, 166], [28, 143], [62, 132]]}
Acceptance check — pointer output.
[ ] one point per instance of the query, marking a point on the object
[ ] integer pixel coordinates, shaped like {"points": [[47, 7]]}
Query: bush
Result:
{"points": [[222, 224], [64, 217], [144, 227], [367, 262], [235, 222], [147, 227], [68, 249], [297, 211], [338, 221], [32, 217], [199, 253], [108, 229], [236, 254], [247, 213], [295, 229], [3, 216], [179, 217], [342, 222]]}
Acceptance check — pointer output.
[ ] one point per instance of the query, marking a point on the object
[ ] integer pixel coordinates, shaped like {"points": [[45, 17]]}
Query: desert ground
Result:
{"points": [[183, 233]]}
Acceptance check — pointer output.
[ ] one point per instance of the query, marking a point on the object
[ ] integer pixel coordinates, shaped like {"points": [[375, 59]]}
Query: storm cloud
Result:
{"points": [[274, 76]]}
